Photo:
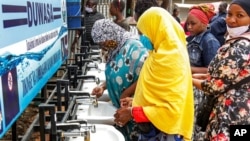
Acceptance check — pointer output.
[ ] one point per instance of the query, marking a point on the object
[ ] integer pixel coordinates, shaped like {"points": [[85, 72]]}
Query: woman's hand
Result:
{"points": [[198, 79], [126, 102], [98, 91], [122, 116]]}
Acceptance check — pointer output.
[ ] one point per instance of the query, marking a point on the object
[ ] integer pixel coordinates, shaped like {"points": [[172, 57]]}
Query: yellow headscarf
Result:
{"points": [[164, 88]]}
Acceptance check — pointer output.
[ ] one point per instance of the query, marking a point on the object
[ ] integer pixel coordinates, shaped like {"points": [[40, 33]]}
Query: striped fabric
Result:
{"points": [[88, 22]]}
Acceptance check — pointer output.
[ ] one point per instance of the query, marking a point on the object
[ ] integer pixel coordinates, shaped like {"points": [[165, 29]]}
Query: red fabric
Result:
{"points": [[183, 24], [200, 15], [138, 115]]}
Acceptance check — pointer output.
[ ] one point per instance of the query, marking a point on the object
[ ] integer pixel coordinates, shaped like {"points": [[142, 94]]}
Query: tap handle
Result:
{"points": [[73, 134], [68, 126], [77, 121]]}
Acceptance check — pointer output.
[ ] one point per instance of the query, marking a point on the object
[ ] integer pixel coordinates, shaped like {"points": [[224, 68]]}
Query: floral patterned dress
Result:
{"points": [[230, 65]]}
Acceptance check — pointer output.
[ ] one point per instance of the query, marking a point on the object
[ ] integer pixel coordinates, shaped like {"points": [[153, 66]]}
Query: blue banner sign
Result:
{"points": [[33, 45]]}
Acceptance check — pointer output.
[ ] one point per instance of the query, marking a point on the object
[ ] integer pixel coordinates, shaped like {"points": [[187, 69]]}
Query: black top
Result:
{"points": [[89, 21], [177, 19]]}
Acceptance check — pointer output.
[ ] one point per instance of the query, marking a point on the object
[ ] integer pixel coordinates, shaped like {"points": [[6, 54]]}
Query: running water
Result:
{"points": [[9, 61]]}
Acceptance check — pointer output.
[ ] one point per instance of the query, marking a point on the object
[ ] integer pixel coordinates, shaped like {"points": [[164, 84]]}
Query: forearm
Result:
{"points": [[103, 85], [198, 69], [129, 92], [197, 83]]}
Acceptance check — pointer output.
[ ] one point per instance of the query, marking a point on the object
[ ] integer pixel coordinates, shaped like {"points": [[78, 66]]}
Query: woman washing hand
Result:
{"points": [[125, 57], [163, 98]]}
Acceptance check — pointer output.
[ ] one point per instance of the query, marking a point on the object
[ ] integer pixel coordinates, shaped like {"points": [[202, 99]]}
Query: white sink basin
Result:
{"points": [[103, 133], [103, 114]]}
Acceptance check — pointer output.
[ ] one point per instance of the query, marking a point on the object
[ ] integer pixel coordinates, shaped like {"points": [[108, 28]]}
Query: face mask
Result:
{"points": [[236, 31], [88, 9]]}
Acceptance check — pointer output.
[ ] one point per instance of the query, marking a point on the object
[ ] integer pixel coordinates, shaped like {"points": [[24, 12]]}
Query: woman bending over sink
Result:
{"points": [[163, 99], [124, 60]]}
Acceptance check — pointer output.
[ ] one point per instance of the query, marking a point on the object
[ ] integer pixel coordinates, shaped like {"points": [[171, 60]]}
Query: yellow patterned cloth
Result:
{"points": [[164, 87]]}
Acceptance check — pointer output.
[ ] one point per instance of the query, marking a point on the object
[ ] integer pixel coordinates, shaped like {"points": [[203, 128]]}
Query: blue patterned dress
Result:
{"points": [[123, 66], [123, 71]]}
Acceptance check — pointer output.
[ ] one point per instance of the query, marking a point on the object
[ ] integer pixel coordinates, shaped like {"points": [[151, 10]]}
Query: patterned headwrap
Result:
{"points": [[106, 29], [204, 12]]}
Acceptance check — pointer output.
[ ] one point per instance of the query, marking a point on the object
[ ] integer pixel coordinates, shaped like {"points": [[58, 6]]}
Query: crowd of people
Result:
{"points": [[159, 79]]}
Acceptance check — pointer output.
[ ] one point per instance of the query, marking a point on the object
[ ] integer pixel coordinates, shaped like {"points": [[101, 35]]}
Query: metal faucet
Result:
{"points": [[94, 101], [85, 133], [91, 99], [87, 136]]}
